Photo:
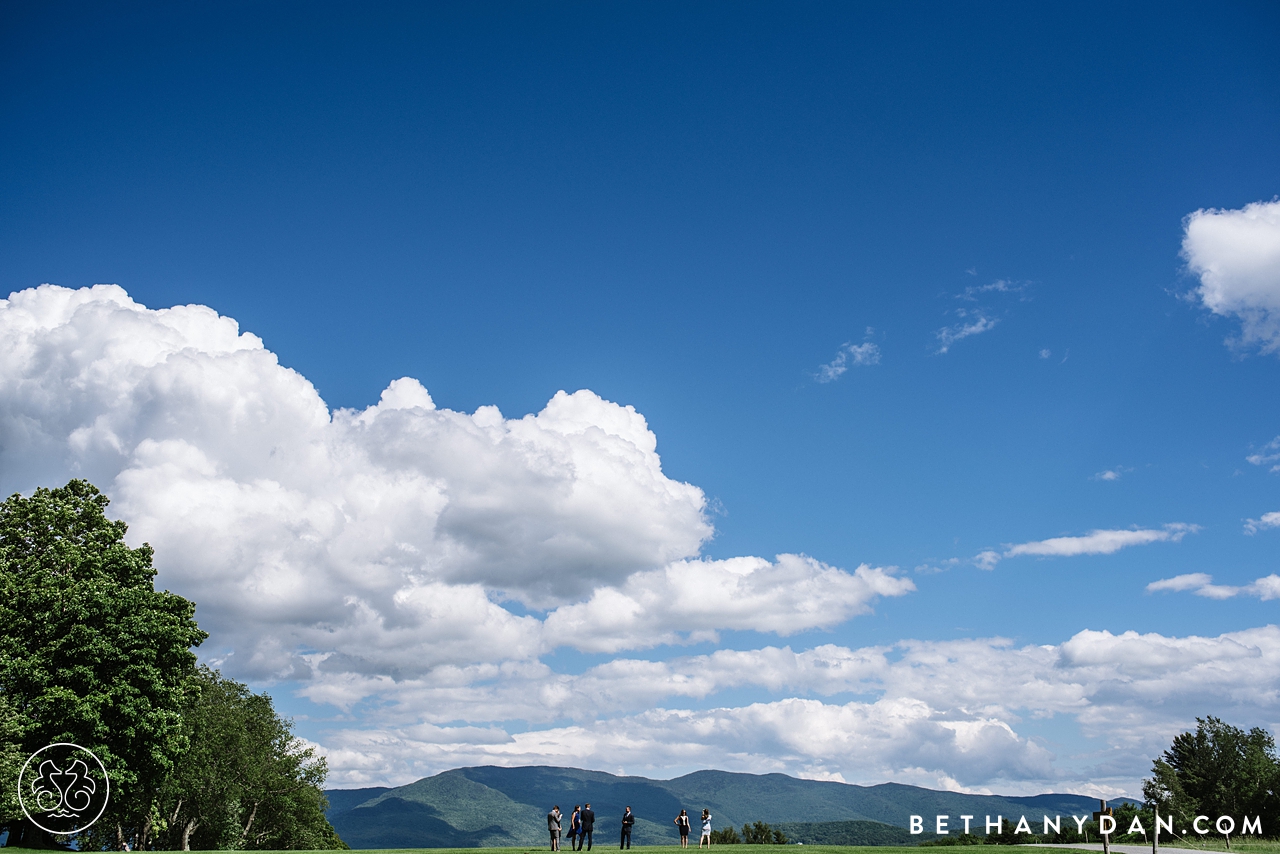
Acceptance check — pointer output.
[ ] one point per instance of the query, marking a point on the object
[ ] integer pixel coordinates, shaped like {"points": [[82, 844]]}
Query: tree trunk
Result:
{"points": [[248, 824], [186, 834]]}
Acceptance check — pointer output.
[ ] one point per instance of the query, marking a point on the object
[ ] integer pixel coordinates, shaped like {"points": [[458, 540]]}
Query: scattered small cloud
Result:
{"points": [[1112, 473], [1268, 520], [1236, 256], [971, 323], [1000, 286], [927, 568], [980, 317], [1098, 542], [1179, 583], [1269, 455], [1046, 353], [1201, 584], [987, 559], [850, 354]]}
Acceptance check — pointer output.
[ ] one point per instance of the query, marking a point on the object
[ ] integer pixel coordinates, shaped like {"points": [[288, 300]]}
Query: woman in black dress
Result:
{"points": [[682, 822]]}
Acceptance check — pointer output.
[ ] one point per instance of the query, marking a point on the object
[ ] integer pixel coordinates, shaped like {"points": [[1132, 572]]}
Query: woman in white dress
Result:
{"points": [[706, 829]]}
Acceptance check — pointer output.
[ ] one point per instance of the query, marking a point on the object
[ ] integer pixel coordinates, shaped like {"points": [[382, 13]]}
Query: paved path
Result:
{"points": [[1097, 846]]}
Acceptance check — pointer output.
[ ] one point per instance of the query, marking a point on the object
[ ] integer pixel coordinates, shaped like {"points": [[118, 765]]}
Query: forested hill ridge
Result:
{"points": [[492, 806]]}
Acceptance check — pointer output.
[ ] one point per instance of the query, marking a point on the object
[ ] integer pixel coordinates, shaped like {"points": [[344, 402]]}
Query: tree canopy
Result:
{"points": [[1218, 770], [92, 653], [245, 781]]}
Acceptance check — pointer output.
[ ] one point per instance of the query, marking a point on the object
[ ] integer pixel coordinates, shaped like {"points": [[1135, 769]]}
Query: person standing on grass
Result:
{"points": [[628, 822], [553, 826], [575, 826], [706, 829], [682, 824], [588, 825]]}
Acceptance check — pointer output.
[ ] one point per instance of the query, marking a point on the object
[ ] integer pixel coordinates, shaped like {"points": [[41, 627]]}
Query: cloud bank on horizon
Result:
{"points": [[418, 568]]}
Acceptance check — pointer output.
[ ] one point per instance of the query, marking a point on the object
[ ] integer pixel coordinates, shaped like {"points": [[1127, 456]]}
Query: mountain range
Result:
{"points": [[492, 806]]}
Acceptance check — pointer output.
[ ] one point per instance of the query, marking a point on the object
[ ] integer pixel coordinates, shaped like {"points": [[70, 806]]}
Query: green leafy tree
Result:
{"points": [[725, 836], [1007, 834], [760, 833], [11, 760], [245, 781], [1124, 816], [90, 651], [1218, 770]]}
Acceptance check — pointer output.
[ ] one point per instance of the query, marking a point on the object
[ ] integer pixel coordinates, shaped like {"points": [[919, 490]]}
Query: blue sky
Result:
{"points": [[690, 209]]}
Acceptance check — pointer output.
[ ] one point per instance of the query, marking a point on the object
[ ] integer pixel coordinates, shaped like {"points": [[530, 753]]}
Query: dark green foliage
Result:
{"points": [[11, 760], [725, 836], [760, 833], [962, 839], [1124, 815], [1006, 835], [1218, 770], [245, 780], [90, 651]]}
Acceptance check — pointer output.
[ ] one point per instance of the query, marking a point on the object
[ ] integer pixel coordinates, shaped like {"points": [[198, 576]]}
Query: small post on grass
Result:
{"points": [[1106, 837], [1155, 831]]}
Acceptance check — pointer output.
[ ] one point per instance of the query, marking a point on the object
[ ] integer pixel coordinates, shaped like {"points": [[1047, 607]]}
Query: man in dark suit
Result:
{"points": [[588, 824], [628, 821]]}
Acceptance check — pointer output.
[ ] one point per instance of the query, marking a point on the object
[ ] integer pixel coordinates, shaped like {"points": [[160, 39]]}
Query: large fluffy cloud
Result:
{"points": [[350, 545], [694, 598], [1236, 255], [415, 566]]}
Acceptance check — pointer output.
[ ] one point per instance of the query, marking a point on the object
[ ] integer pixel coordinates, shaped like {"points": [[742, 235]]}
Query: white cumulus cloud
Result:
{"points": [[1236, 255], [348, 547], [689, 600], [375, 558]]}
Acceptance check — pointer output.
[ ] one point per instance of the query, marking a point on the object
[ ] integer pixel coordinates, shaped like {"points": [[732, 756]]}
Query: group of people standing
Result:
{"points": [[582, 824]]}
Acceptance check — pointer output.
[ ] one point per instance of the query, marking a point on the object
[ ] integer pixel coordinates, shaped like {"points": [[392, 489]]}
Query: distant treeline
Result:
{"points": [[91, 653]]}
